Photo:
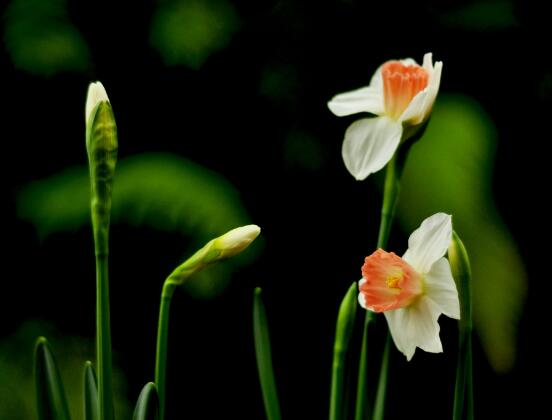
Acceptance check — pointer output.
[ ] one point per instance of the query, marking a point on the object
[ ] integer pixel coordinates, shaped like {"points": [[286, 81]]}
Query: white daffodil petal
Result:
{"points": [[366, 99], [361, 298], [369, 144], [433, 85], [415, 326], [427, 63], [441, 288], [429, 242], [408, 62], [96, 94], [415, 111], [377, 80], [421, 105]]}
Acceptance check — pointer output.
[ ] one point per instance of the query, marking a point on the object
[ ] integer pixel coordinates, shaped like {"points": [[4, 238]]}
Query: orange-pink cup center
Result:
{"points": [[390, 282], [400, 84]]}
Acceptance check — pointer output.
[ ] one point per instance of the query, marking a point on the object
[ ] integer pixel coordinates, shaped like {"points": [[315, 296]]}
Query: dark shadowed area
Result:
{"points": [[222, 121]]}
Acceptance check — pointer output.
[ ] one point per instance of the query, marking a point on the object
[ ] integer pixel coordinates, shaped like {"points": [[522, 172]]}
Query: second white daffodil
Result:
{"points": [[401, 94], [413, 291]]}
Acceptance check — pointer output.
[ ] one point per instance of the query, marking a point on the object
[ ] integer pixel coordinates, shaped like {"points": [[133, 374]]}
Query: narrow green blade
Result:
{"points": [[147, 406], [50, 397], [343, 333], [90, 392], [264, 358]]}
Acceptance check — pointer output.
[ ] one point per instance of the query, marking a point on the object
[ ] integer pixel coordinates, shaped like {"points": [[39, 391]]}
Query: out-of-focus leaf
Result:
{"points": [[17, 388], [450, 170], [482, 15], [51, 403], [40, 38], [147, 406], [90, 389], [187, 32], [161, 191]]}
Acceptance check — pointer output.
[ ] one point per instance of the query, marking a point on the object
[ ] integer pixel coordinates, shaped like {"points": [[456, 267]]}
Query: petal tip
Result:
{"points": [[96, 94]]}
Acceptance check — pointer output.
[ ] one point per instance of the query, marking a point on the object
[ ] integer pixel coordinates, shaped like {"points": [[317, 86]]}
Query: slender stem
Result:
{"points": [[463, 393], [379, 406], [162, 339], [469, 380], [362, 410], [390, 197], [103, 336]]}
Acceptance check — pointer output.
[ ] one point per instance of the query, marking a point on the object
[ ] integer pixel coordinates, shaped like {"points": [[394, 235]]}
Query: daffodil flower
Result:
{"points": [[413, 291], [401, 94]]}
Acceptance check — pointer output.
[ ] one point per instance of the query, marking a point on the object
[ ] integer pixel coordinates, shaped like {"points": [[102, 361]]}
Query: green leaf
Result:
{"points": [[41, 39], [90, 392], [50, 396], [343, 333], [187, 32], [450, 170], [161, 191], [147, 406], [264, 358]]}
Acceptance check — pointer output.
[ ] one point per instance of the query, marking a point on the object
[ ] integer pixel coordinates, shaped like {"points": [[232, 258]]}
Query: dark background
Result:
{"points": [[317, 222]]}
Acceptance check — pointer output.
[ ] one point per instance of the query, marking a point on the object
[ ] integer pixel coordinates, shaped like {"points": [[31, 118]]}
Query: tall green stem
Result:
{"points": [[102, 146], [460, 267], [379, 405], [103, 338], [390, 198], [162, 340]]}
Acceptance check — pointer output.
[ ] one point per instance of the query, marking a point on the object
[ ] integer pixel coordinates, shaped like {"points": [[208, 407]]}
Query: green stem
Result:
{"points": [[463, 393], [469, 380], [362, 410], [162, 340], [390, 197], [379, 406], [103, 336]]}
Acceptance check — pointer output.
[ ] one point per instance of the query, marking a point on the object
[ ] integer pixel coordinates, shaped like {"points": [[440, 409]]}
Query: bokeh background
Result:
{"points": [[222, 118]]}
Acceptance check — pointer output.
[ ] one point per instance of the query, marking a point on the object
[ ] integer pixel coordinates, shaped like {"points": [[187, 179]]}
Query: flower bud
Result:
{"points": [[226, 246], [101, 145]]}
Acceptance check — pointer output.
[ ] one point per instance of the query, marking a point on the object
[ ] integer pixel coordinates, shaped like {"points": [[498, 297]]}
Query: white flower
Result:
{"points": [[413, 291], [96, 94], [401, 94]]}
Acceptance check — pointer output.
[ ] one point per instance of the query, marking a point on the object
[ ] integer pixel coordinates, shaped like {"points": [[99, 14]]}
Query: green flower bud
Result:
{"points": [[101, 145], [226, 246]]}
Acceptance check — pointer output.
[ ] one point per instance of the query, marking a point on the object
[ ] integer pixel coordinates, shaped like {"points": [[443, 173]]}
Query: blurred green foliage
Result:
{"points": [[41, 39], [486, 15], [450, 170], [17, 390], [187, 32], [161, 191]]}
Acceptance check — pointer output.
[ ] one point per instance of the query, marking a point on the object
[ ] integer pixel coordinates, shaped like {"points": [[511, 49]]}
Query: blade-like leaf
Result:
{"points": [[90, 392], [147, 406], [343, 333], [450, 170], [50, 396], [264, 358]]}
